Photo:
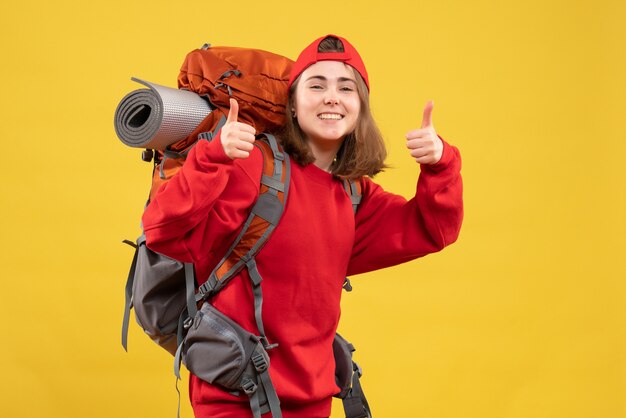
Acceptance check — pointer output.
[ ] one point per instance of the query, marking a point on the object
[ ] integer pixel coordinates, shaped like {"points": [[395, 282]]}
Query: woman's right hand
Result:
{"points": [[237, 137]]}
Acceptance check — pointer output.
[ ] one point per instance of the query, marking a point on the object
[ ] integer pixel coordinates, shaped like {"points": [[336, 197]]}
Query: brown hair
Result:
{"points": [[362, 152]]}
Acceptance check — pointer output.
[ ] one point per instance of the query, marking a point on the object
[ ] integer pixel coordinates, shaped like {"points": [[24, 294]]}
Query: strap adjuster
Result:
{"points": [[208, 136], [259, 362], [206, 287], [249, 387]]}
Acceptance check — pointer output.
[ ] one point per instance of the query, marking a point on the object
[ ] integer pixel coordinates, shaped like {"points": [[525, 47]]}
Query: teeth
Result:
{"points": [[330, 116]]}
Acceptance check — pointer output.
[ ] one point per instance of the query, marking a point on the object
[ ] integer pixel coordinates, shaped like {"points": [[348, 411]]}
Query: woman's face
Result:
{"points": [[327, 103]]}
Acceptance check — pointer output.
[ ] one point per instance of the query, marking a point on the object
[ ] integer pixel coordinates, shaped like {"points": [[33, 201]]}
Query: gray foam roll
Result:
{"points": [[158, 116]]}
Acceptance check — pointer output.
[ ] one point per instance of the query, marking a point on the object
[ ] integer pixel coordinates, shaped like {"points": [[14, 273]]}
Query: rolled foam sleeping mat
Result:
{"points": [[158, 116]]}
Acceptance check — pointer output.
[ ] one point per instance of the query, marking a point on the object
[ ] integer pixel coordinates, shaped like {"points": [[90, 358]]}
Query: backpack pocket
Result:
{"points": [[218, 350], [158, 295]]}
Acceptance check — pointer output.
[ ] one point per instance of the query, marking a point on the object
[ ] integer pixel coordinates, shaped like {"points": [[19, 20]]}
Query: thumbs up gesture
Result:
{"points": [[237, 137], [424, 145]]}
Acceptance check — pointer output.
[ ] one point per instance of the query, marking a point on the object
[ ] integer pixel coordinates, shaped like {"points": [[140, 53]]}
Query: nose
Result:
{"points": [[331, 98]]}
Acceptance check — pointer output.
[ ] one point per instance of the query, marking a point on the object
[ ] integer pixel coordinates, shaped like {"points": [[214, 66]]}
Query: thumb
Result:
{"points": [[427, 119], [233, 112]]}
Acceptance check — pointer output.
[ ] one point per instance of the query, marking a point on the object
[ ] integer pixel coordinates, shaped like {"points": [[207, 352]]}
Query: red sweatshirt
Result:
{"points": [[199, 212]]}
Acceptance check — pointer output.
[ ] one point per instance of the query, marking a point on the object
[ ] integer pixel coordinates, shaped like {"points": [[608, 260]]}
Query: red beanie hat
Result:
{"points": [[310, 56]]}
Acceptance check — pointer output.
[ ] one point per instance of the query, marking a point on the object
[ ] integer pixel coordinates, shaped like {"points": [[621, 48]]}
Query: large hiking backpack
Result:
{"points": [[165, 293], [257, 79]]}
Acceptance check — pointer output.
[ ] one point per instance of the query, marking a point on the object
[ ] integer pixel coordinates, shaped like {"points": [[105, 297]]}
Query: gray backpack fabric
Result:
{"points": [[159, 304]]}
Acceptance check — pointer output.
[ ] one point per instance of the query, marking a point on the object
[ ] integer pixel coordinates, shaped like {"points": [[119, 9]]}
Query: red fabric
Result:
{"points": [[310, 56], [196, 215]]}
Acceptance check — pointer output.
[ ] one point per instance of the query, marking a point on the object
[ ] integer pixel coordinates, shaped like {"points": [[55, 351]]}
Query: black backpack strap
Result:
{"points": [[262, 395], [128, 303], [261, 222], [355, 404], [353, 188], [347, 374]]}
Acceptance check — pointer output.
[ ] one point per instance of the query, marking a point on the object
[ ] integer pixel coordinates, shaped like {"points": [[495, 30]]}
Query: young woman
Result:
{"points": [[330, 135]]}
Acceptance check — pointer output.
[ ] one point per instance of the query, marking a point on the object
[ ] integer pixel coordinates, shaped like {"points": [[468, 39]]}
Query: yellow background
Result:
{"points": [[523, 317]]}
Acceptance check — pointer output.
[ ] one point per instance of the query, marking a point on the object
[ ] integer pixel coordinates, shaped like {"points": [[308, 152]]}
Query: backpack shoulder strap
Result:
{"points": [[261, 222], [354, 190]]}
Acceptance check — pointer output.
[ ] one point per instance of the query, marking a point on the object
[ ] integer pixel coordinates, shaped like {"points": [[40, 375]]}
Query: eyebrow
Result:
{"points": [[321, 77]]}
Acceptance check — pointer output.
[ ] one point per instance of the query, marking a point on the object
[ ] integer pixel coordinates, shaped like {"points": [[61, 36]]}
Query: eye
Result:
{"points": [[316, 87], [347, 88]]}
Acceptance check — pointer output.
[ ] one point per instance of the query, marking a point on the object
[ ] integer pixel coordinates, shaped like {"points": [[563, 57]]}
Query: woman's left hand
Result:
{"points": [[424, 145]]}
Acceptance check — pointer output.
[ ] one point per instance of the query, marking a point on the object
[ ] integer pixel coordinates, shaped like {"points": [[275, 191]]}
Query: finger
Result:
{"points": [[427, 159], [244, 127], [427, 119], [244, 146], [243, 137], [417, 143], [233, 112], [420, 152], [417, 133]]}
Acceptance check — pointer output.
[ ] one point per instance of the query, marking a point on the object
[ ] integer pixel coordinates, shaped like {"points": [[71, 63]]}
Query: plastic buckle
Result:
{"points": [[205, 288], [187, 323], [205, 135], [248, 386], [259, 362], [346, 285], [266, 344]]}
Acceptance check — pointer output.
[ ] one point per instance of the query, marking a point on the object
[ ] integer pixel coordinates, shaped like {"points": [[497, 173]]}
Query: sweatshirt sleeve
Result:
{"points": [[180, 221], [391, 230]]}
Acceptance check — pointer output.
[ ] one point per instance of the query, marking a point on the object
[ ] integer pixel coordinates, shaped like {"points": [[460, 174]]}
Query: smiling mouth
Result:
{"points": [[330, 116]]}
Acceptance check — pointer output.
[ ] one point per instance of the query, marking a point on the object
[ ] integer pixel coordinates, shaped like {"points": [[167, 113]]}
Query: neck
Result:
{"points": [[325, 153]]}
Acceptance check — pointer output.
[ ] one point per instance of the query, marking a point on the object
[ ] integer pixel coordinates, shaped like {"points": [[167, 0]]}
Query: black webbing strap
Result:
{"points": [[251, 389], [355, 404], [256, 279], [190, 291], [128, 303], [265, 384], [354, 192], [187, 315]]}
